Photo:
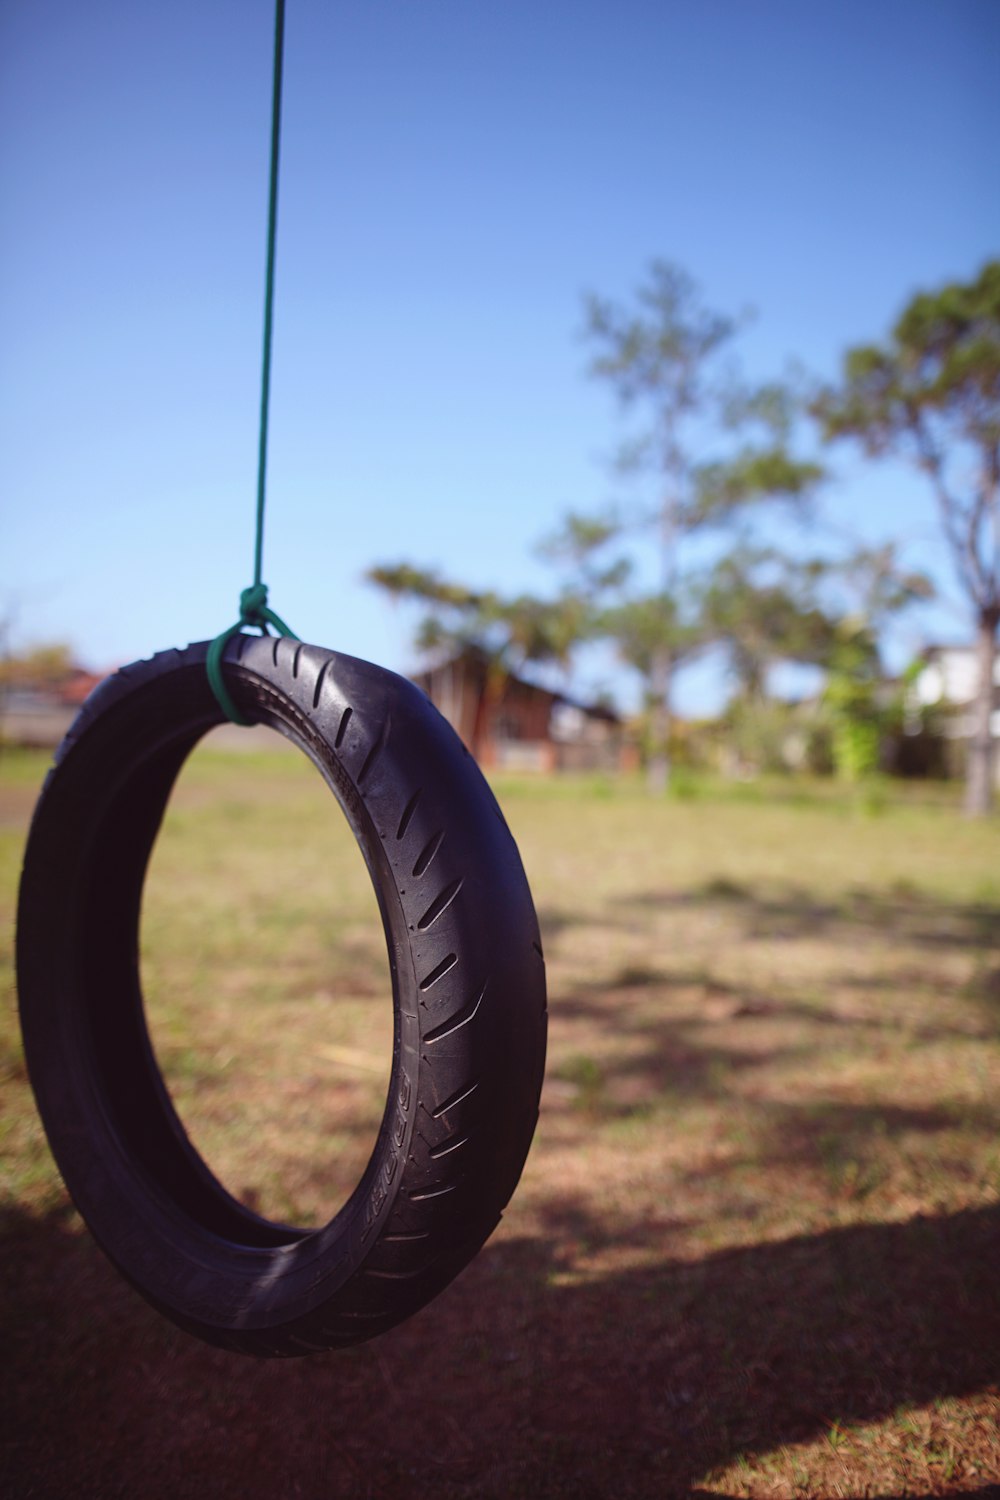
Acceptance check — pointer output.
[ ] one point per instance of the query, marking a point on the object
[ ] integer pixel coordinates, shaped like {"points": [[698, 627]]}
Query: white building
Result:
{"points": [[950, 679]]}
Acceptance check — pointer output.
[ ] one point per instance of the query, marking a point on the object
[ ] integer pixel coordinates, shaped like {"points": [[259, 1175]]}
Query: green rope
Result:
{"points": [[254, 611], [272, 220]]}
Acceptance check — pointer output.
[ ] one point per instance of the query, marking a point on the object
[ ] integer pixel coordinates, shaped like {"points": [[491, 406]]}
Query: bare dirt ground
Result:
{"points": [[756, 1247]]}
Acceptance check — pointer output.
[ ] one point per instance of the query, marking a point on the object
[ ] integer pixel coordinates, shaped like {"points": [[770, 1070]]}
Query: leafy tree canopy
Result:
{"points": [[932, 391], [764, 608], [646, 625], [508, 630], [41, 666]]}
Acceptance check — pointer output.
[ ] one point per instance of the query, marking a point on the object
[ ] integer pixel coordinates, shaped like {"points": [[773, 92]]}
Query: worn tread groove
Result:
{"points": [[374, 752], [295, 660], [447, 1147], [406, 1237], [241, 644], [460, 1018], [319, 681], [440, 904], [408, 812], [394, 1275], [274, 650], [428, 852], [448, 962], [345, 719], [434, 1192], [455, 1099]]}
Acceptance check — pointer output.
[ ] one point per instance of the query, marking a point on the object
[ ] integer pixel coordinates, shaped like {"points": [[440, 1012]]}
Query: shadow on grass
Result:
{"points": [[908, 918], [525, 1378], [795, 911], [669, 1051], [712, 999]]}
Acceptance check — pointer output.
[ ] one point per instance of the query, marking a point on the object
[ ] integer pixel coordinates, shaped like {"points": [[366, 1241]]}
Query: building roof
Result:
{"points": [[479, 662]]}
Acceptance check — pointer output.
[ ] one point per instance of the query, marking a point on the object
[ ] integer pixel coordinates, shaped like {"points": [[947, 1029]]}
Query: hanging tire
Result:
{"points": [[468, 996]]}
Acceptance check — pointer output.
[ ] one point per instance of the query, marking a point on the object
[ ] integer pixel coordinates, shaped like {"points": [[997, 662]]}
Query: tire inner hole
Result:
{"points": [[265, 977]]}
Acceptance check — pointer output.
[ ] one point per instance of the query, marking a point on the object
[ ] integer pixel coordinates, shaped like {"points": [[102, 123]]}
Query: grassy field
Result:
{"points": [[756, 1249]]}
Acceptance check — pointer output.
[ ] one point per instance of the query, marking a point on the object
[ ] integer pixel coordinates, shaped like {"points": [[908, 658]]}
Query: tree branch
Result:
{"points": [[967, 560], [993, 482]]}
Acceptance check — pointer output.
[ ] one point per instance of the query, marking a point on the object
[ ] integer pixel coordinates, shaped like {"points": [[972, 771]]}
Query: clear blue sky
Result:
{"points": [[455, 174]]}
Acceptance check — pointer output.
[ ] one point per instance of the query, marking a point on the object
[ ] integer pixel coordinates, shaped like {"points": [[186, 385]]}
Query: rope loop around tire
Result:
{"points": [[468, 997], [255, 614]]}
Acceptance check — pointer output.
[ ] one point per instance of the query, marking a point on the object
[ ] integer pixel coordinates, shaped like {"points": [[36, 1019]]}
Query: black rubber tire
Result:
{"points": [[468, 995]]}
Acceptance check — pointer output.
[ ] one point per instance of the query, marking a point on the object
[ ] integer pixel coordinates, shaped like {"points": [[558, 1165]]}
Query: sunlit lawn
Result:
{"points": [[755, 1250]]}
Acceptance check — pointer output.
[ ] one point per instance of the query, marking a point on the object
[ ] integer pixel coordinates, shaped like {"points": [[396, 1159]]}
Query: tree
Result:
{"points": [[764, 608], [767, 608], [506, 632], [39, 667], [660, 356], [931, 392], [854, 701]]}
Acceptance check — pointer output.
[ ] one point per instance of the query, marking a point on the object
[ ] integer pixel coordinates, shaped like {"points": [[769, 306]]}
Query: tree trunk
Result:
{"points": [[660, 722], [979, 783]]}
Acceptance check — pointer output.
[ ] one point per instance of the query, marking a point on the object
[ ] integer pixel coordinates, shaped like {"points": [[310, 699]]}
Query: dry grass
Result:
{"points": [[755, 1250]]}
